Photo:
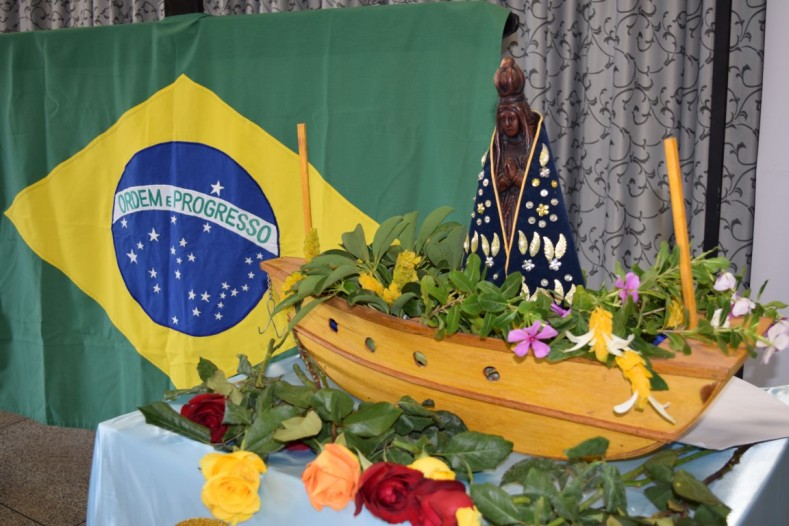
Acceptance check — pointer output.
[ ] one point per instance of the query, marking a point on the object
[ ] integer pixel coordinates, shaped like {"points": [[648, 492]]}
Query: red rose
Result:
{"points": [[385, 489], [435, 502], [208, 410]]}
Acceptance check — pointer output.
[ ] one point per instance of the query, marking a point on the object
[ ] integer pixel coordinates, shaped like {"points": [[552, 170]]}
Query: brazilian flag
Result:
{"points": [[146, 170]]}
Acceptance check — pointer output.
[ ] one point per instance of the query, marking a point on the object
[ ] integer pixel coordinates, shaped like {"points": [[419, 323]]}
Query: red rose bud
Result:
{"points": [[208, 410], [385, 489], [436, 502]]}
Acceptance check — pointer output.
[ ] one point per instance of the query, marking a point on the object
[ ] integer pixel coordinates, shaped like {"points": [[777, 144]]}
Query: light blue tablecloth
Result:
{"points": [[142, 474]]}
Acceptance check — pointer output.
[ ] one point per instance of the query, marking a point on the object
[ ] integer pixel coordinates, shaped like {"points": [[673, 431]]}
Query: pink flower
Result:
{"points": [[777, 339], [741, 306], [725, 281], [561, 311], [628, 286], [529, 338]]}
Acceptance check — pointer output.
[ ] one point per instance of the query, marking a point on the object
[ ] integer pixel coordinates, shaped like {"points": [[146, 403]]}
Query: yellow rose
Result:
{"points": [[244, 464], [433, 468], [231, 498], [468, 517], [332, 478]]}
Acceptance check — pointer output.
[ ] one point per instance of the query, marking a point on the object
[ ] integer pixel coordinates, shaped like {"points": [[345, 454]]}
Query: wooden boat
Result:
{"points": [[542, 408]]}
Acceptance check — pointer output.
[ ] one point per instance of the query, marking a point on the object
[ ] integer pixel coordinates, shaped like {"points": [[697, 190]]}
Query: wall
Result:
{"points": [[771, 223]]}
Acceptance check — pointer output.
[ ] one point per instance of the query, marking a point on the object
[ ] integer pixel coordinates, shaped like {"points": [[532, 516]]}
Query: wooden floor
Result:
{"points": [[44, 473]]}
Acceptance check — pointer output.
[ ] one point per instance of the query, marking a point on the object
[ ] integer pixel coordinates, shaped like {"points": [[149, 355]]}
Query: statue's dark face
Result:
{"points": [[509, 122]]}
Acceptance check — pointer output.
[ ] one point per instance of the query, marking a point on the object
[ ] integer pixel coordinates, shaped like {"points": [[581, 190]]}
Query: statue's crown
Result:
{"points": [[509, 81]]}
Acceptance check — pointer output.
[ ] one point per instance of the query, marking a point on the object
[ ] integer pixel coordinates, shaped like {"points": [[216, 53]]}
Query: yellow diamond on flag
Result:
{"points": [[164, 218]]}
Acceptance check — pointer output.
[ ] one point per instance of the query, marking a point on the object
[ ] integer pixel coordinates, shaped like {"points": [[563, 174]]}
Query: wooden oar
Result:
{"points": [[680, 228]]}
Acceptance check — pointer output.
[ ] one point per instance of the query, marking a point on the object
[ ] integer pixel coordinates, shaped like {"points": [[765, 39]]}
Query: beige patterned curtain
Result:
{"points": [[612, 79]]}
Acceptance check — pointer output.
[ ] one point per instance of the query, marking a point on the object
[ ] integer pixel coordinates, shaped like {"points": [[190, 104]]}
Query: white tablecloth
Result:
{"points": [[145, 475]]}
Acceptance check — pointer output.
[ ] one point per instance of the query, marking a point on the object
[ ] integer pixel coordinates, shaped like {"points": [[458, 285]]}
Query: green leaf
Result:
{"points": [[310, 285], [487, 324], [397, 305], [707, 515], [408, 235], [412, 407], [329, 260], [296, 395], [259, 437], [471, 270], [236, 414], [372, 420], [588, 449], [512, 285], [339, 274], [355, 243], [687, 486], [219, 384], [408, 424], [492, 302], [386, 234], [475, 451], [453, 319], [332, 404], [206, 369], [162, 415], [495, 504], [660, 473], [659, 495], [429, 226], [462, 282], [519, 471], [369, 299], [471, 306], [299, 427], [614, 498]]}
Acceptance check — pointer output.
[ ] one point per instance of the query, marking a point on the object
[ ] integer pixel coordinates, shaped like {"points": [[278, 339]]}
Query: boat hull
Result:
{"points": [[542, 408]]}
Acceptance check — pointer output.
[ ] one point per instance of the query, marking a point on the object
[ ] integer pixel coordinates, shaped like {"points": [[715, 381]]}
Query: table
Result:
{"points": [[142, 474]]}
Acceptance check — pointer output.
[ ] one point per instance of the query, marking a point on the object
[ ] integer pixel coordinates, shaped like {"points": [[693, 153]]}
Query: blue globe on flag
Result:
{"points": [[190, 227]]}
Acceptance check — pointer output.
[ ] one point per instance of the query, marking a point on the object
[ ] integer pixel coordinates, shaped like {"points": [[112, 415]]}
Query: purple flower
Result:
{"points": [[559, 310], [628, 287], [740, 306], [777, 337], [529, 338]]}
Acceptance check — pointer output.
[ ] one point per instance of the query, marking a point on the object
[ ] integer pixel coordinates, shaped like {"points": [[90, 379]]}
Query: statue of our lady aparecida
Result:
{"points": [[519, 222]]}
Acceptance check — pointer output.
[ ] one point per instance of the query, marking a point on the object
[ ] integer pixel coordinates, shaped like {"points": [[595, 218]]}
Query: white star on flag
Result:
{"points": [[152, 272], [204, 296], [182, 242], [217, 188], [234, 292], [156, 288], [124, 223], [191, 257], [132, 256], [153, 235], [225, 286], [173, 219], [191, 294], [248, 261], [245, 287], [207, 227], [218, 315], [139, 245], [195, 312], [251, 275]]}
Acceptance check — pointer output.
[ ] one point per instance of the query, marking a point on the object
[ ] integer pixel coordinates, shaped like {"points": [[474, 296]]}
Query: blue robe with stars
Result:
{"points": [[541, 245]]}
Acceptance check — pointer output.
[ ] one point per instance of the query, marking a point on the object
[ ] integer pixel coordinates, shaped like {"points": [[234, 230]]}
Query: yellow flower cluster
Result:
{"points": [[388, 294], [676, 315], [405, 268], [312, 245], [290, 282], [231, 488]]}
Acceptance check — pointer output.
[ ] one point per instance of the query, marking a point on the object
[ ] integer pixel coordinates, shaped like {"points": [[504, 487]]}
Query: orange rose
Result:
{"points": [[332, 478]]}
